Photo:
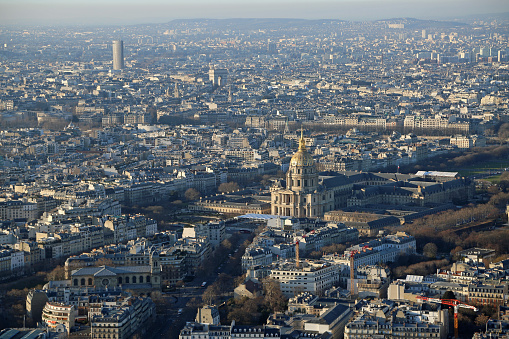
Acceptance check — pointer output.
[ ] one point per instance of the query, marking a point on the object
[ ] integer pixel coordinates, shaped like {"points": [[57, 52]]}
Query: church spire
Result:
{"points": [[302, 142], [287, 128]]}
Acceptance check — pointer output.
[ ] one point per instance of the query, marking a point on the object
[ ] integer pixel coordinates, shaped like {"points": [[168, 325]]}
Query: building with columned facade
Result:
{"points": [[128, 277], [303, 195]]}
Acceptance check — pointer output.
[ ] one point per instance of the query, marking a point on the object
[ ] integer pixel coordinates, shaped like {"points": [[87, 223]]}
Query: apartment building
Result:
{"points": [[310, 276]]}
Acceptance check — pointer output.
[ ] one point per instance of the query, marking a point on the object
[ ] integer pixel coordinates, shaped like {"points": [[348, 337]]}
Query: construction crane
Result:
{"points": [[352, 273], [352, 270], [297, 257], [456, 304]]}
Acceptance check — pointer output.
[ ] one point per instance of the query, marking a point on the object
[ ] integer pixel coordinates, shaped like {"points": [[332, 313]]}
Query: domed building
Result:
{"points": [[304, 196]]}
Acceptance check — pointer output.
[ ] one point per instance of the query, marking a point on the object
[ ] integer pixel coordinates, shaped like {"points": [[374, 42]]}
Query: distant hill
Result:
{"points": [[412, 23], [504, 16], [255, 23], [269, 24]]}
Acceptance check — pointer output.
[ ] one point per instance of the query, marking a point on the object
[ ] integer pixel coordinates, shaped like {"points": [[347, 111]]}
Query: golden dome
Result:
{"points": [[302, 157]]}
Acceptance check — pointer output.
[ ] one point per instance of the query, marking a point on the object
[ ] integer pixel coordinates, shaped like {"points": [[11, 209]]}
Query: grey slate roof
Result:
{"points": [[107, 271]]}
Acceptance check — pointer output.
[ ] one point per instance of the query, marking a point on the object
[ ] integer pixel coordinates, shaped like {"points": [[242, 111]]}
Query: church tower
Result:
{"points": [[176, 92], [303, 196]]}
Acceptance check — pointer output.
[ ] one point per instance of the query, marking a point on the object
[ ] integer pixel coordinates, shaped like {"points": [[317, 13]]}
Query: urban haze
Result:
{"points": [[270, 169]]}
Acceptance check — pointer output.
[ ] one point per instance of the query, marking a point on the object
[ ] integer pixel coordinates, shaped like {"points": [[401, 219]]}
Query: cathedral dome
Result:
{"points": [[302, 157]]}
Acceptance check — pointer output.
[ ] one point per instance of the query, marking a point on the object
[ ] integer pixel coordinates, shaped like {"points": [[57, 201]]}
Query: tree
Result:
{"points": [[58, 273], [246, 311], [455, 252], [448, 295], [54, 124], [228, 187], [193, 303], [430, 250], [160, 301], [226, 244], [155, 209], [210, 295], [240, 315], [274, 298], [339, 248], [192, 194], [245, 244], [503, 133], [481, 320], [239, 280], [224, 283], [265, 181]]}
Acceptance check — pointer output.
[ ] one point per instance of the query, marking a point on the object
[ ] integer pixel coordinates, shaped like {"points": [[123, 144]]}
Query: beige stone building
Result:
{"points": [[121, 319], [127, 277], [303, 195], [310, 276], [208, 315], [231, 206], [251, 288], [58, 317]]}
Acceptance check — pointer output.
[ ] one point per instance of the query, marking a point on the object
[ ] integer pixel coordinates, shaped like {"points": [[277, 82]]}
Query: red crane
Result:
{"points": [[450, 302], [352, 270]]}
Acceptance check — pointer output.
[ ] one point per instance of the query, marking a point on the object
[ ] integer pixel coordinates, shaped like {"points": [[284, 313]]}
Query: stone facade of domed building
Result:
{"points": [[303, 196]]}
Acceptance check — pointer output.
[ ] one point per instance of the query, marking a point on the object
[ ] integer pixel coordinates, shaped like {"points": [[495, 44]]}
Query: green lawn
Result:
{"points": [[494, 165], [494, 179]]}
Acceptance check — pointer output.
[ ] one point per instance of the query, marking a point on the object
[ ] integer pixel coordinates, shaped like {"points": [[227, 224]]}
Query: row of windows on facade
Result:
{"points": [[119, 279], [396, 329], [107, 330], [487, 290], [297, 183], [288, 198], [304, 171], [484, 301], [293, 273]]}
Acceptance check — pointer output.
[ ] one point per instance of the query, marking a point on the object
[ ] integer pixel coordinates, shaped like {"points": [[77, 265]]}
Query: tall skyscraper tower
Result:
{"points": [[118, 54]]}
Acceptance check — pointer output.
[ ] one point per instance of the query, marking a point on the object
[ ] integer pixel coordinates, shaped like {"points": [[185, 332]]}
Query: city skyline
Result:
{"points": [[346, 168], [114, 12]]}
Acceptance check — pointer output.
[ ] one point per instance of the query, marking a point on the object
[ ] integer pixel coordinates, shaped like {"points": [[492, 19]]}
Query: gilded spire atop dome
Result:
{"points": [[302, 157], [302, 142]]}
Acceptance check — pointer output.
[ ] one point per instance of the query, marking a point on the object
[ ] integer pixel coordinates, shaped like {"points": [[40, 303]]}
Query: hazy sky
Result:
{"points": [[82, 12]]}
